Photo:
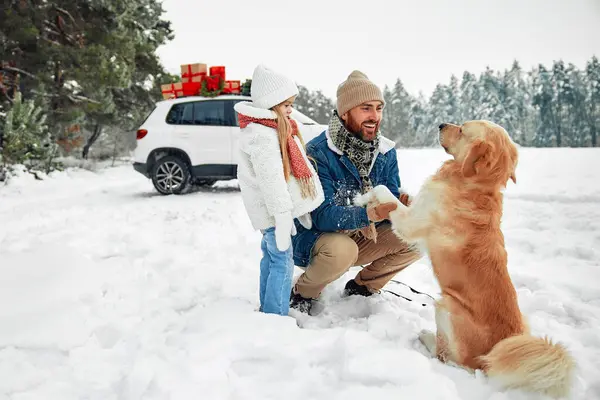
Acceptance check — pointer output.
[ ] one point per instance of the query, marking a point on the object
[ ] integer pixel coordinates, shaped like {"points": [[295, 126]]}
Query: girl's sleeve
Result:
{"points": [[268, 166]]}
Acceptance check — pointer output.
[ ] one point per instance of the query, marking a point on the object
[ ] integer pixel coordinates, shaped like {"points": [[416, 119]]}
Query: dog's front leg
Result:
{"points": [[411, 224], [408, 223]]}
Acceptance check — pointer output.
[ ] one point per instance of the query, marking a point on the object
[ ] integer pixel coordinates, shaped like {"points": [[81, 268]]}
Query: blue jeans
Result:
{"points": [[276, 271]]}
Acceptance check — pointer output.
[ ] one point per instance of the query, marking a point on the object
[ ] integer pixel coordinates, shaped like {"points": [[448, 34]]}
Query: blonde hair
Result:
{"points": [[284, 129]]}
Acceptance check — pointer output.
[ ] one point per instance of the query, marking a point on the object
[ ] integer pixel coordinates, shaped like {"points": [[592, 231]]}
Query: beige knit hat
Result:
{"points": [[355, 90]]}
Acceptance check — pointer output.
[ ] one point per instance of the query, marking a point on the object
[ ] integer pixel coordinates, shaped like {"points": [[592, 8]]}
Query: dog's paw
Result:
{"points": [[383, 194]]}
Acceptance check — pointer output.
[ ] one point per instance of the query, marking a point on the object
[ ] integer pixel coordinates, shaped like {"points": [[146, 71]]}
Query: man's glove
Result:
{"points": [[284, 229]]}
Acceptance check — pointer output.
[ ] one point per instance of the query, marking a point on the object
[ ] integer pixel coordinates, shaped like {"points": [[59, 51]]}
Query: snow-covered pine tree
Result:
{"points": [[469, 102], [515, 102], [453, 100], [401, 103], [27, 139], [323, 107], [421, 127], [561, 104], [489, 93], [575, 114], [437, 113], [387, 123], [592, 80], [543, 98]]}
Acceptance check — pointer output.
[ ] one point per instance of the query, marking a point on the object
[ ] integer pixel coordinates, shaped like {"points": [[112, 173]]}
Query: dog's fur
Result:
{"points": [[456, 216]]}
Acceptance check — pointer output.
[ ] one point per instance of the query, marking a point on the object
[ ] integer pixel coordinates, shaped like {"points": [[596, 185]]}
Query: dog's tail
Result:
{"points": [[532, 364]]}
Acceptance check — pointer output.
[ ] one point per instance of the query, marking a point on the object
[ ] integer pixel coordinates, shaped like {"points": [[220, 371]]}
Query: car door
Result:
{"points": [[200, 129], [212, 133], [180, 120]]}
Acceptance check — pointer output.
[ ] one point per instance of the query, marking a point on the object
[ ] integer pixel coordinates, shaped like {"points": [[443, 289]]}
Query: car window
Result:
{"points": [[181, 114], [210, 113]]}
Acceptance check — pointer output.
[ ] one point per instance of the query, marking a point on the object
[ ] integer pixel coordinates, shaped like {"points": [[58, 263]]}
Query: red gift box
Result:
{"points": [[232, 87], [217, 70], [180, 89], [193, 72], [190, 89]]}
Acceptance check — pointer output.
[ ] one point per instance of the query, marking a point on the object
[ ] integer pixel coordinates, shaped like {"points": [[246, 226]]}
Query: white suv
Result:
{"points": [[194, 140]]}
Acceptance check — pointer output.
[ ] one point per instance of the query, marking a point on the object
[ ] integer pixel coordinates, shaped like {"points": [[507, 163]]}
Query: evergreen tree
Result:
{"points": [[402, 103], [421, 126], [543, 99], [26, 137], [515, 98], [387, 124], [592, 102], [469, 102], [488, 94], [92, 63], [574, 112], [453, 99]]}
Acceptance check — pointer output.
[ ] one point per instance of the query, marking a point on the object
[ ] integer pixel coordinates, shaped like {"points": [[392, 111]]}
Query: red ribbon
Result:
{"points": [[212, 82]]}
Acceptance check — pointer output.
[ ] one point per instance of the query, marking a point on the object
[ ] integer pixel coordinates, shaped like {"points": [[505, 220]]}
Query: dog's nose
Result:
{"points": [[442, 126]]}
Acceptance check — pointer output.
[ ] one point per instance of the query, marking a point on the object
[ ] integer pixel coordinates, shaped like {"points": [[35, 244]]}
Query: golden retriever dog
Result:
{"points": [[456, 217]]}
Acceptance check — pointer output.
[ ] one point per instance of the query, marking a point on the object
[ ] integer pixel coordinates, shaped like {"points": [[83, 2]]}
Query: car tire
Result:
{"points": [[171, 175]]}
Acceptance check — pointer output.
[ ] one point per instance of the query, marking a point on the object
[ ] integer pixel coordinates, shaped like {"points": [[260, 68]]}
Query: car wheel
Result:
{"points": [[171, 175]]}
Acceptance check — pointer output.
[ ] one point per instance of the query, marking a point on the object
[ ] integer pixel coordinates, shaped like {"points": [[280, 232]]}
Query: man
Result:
{"points": [[351, 157]]}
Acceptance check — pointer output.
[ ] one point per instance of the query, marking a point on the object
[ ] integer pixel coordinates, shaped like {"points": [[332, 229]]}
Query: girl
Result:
{"points": [[277, 181]]}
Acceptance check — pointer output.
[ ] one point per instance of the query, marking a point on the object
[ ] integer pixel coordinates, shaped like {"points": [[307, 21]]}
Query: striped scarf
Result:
{"points": [[361, 154]]}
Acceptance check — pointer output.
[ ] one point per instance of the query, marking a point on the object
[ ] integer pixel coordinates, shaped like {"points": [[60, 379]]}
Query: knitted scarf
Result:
{"points": [[298, 166], [361, 154]]}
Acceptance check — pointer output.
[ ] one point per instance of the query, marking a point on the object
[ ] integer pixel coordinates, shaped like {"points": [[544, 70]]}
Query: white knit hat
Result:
{"points": [[270, 88]]}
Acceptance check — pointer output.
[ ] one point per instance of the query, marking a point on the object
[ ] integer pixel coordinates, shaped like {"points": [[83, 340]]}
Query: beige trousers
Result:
{"points": [[334, 253]]}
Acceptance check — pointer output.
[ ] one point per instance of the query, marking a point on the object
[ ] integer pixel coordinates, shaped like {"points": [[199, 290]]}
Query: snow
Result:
{"points": [[111, 291]]}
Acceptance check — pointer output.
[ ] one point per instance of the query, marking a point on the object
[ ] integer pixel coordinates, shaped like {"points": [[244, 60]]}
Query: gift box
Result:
{"points": [[193, 72], [180, 89], [190, 89], [232, 87], [169, 90], [217, 71]]}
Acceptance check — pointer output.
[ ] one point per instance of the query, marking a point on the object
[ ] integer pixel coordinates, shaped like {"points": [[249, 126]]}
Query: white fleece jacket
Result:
{"points": [[265, 192]]}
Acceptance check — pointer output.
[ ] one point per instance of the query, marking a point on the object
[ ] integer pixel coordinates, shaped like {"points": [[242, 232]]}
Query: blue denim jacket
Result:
{"points": [[341, 183]]}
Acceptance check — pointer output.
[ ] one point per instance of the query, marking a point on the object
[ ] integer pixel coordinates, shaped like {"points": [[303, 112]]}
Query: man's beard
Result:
{"points": [[357, 130]]}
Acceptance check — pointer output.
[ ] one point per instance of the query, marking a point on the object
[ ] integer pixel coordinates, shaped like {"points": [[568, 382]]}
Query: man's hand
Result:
{"points": [[405, 199], [381, 211]]}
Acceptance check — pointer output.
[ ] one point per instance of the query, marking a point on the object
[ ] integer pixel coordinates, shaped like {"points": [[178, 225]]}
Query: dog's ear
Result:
{"points": [[478, 159]]}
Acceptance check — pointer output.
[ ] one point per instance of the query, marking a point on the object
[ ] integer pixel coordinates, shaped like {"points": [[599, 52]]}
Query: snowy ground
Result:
{"points": [[111, 291]]}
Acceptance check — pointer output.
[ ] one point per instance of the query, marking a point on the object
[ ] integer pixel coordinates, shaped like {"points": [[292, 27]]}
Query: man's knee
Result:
{"points": [[337, 250], [394, 245]]}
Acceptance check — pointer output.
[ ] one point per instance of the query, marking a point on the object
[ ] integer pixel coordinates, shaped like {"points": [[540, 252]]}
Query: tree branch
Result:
{"points": [[18, 70]]}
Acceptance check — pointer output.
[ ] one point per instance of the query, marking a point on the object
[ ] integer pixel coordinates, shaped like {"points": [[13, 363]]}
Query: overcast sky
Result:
{"points": [[319, 42]]}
